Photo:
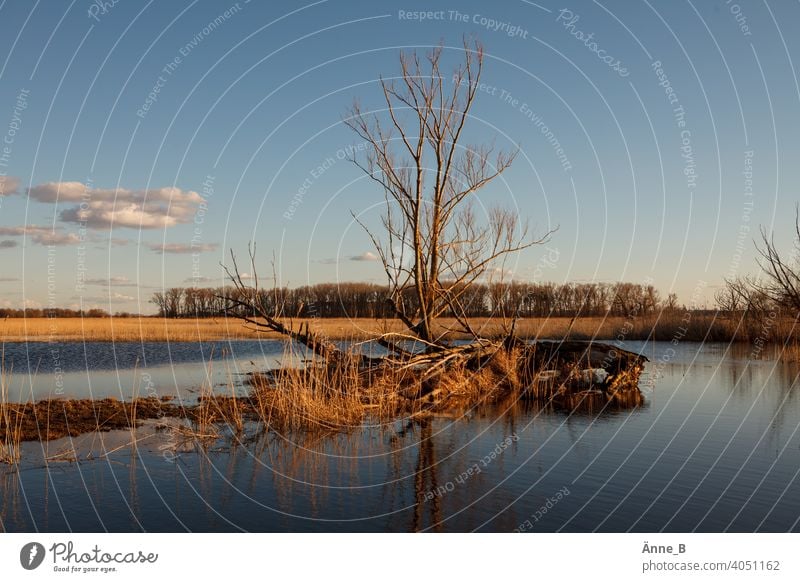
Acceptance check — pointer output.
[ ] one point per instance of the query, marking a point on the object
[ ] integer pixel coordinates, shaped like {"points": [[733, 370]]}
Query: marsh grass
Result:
{"points": [[11, 418], [214, 411], [131, 412], [790, 352], [337, 398], [204, 416], [315, 396], [662, 326]]}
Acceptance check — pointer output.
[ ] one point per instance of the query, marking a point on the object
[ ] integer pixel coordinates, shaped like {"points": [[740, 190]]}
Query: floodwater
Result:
{"points": [[715, 448], [40, 370]]}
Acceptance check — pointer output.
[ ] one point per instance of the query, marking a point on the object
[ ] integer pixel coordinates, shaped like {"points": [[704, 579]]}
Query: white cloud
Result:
{"points": [[104, 242], [181, 248], [56, 238], [18, 230], [112, 282], [8, 185], [42, 235], [102, 208], [365, 256], [498, 274]]}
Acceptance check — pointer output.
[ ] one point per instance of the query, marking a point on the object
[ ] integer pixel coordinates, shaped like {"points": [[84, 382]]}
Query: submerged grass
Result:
{"points": [[10, 420]]}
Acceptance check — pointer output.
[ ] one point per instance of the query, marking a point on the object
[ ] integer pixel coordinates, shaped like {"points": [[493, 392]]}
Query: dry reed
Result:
{"points": [[699, 326], [11, 418]]}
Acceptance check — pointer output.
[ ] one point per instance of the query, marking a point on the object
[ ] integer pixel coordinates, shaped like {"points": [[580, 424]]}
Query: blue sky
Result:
{"points": [[249, 103]]}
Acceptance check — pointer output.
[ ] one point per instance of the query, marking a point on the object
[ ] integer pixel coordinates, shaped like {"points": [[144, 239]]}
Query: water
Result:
{"points": [[41, 370], [715, 448]]}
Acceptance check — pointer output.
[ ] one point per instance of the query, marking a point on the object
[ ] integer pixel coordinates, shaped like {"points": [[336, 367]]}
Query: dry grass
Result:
{"points": [[665, 326], [11, 418], [790, 352], [316, 397], [121, 329], [206, 413], [337, 398]]}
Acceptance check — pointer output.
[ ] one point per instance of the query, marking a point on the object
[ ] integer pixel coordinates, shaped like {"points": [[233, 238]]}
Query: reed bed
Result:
{"points": [[311, 396], [663, 326], [10, 420], [790, 352], [317, 397]]}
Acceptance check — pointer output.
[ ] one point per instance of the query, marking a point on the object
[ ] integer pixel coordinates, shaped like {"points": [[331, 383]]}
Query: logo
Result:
{"points": [[31, 556]]}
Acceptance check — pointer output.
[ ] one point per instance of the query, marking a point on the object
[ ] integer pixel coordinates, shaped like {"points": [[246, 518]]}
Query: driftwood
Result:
{"points": [[618, 364], [568, 374], [587, 375]]}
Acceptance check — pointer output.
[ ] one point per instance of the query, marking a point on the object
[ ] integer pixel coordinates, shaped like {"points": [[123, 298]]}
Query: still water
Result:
{"points": [[40, 370], [715, 448]]}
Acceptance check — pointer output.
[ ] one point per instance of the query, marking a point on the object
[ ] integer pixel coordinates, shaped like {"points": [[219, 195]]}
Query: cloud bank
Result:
{"points": [[181, 248], [42, 235], [102, 208]]}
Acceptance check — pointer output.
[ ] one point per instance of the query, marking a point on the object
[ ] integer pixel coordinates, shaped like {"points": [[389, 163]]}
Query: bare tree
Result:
{"points": [[781, 282], [742, 294], [435, 246]]}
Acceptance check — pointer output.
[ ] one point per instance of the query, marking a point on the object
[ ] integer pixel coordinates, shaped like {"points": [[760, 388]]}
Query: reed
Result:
{"points": [[790, 352], [203, 415], [216, 410], [11, 419], [334, 398], [663, 326], [315, 397]]}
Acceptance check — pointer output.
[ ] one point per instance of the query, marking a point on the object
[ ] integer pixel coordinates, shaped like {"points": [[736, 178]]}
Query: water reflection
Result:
{"points": [[714, 447]]}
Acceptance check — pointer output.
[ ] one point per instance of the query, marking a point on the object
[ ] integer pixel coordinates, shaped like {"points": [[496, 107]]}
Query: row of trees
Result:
{"points": [[373, 301], [56, 312]]}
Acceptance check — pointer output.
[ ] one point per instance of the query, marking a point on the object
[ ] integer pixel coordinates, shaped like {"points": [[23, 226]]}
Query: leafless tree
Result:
{"points": [[670, 303], [434, 244], [736, 295], [781, 275]]}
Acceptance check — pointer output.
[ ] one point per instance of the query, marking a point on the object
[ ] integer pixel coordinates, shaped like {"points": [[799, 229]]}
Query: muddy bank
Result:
{"points": [[54, 419]]}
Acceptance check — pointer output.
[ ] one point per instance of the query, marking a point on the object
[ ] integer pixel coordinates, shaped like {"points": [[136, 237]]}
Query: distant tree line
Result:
{"points": [[59, 312], [366, 300]]}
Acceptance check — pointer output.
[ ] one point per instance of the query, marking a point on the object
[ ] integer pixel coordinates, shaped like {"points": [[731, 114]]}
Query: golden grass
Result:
{"points": [[121, 329], [666, 326], [790, 352], [154, 329], [316, 397], [11, 419], [320, 398]]}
